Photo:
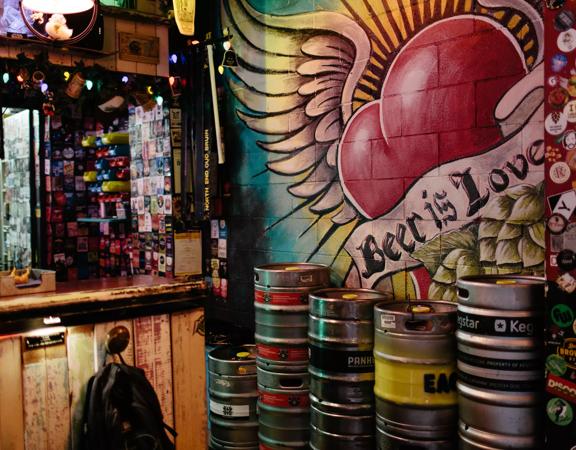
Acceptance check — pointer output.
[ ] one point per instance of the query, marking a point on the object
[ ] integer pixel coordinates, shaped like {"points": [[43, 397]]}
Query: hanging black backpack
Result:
{"points": [[122, 412]]}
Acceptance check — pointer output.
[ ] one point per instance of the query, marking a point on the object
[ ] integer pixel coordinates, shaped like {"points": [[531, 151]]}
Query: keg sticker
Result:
{"points": [[556, 365], [561, 388], [568, 352], [281, 298], [503, 326], [285, 400], [282, 353], [498, 364], [562, 315], [500, 384], [341, 361], [388, 321], [559, 411], [229, 410]]}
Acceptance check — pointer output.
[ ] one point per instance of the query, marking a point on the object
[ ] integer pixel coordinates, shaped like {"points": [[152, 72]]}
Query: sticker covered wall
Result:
{"points": [[399, 143]]}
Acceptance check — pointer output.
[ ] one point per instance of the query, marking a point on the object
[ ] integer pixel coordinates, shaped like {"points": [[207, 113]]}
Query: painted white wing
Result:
{"points": [[296, 77]]}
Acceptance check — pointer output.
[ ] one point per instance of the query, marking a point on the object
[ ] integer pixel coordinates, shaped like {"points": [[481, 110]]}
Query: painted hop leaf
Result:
{"points": [[507, 239]]}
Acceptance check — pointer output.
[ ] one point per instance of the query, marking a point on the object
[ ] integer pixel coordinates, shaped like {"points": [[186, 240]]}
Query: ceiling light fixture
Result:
{"points": [[58, 6]]}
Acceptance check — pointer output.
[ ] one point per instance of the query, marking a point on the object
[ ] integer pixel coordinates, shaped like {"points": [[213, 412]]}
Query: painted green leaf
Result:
{"points": [[515, 192], [430, 254], [508, 269], [509, 231], [488, 250], [498, 208], [445, 276], [491, 269], [507, 252], [489, 228], [468, 265], [451, 259], [532, 254], [436, 291], [537, 233], [450, 294], [460, 239], [527, 209]]}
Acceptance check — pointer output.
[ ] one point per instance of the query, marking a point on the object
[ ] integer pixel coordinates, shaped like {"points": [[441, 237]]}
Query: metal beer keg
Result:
{"points": [[232, 396], [415, 359], [341, 334], [500, 362], [281, 308]]}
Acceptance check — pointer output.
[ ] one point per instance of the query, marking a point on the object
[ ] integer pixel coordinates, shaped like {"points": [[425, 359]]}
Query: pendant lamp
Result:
{"points": [[58, 6]]}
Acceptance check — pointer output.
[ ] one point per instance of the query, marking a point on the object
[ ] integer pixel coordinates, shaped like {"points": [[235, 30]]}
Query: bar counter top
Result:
{"points": [[77, 302]]}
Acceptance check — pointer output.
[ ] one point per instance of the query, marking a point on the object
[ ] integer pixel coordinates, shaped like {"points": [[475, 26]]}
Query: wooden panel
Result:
{"points": [[80, 341], [57, 407], [162, 70], [11, 404], [153, 354], [189, 378], [109, 45], [128, 27], [34, 385]]}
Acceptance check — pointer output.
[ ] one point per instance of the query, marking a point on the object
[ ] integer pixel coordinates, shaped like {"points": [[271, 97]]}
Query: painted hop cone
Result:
{"points": [[507, 239]]}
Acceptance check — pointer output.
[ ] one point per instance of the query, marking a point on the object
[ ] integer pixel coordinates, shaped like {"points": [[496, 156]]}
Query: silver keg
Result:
{"points": [[500, 362], [281, 309], [233, 396], [284, 408], [341, 336], [415, 375]]}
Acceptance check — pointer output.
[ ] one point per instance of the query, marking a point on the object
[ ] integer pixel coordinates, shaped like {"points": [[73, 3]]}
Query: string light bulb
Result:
{"points": [[125, 79], [6, 77], [20, 78], [89, 84], [227, 45], [174, 58], [44, 88], [159, 100], [149, 90], [66, 76], [221, 70], [171, 81]]}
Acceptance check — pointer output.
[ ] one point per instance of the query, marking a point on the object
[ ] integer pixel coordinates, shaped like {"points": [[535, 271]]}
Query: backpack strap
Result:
{"points": [[171, 430]]}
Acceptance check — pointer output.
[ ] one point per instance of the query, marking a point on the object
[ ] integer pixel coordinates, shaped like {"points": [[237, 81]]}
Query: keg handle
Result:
{"points": [[293, 383], [463, 293]]}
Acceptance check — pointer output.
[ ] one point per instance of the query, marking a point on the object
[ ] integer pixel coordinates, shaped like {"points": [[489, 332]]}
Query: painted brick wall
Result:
{"points": [[399, 143]]}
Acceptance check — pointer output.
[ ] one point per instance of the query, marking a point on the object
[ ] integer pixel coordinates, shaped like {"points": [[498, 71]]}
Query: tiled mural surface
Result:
{"points": [[400, 142]]}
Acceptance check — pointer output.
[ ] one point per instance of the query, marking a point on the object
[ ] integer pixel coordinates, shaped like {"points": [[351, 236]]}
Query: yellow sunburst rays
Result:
{"points": [[390, 23]]}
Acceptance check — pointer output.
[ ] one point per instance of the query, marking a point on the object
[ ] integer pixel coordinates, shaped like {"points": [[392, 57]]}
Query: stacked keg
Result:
{"points": [[341, 335], [500, 362], [415, 375], [281, 309], [232, 398]]}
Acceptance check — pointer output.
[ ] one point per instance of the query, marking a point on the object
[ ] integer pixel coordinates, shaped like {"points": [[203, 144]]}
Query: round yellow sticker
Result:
{"points": [[505, 281], [349, 296], [242, 354], [421, 309], [292, 268]]}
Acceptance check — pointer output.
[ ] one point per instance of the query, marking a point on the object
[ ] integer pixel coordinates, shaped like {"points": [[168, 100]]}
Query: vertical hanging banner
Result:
{"points": [[560, 204]]}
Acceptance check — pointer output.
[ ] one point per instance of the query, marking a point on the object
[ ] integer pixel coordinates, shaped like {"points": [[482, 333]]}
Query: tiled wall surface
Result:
{"points": [[398, 142]]}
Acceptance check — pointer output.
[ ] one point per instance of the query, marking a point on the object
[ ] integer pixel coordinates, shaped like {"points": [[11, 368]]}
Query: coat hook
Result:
{"points": [[117, 339]]}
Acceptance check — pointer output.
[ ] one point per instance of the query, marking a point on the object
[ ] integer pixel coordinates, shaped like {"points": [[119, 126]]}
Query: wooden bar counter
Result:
{"points": [[51, 343]]}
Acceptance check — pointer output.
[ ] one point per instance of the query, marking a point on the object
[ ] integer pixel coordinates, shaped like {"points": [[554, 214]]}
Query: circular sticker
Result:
{"points": [[555, 123], [570, 110], [560, 172], [564, 20], [68, 153], [552, 154], [569, 140], [557, 223], [558, 97], [562, 315], [553, 81], [559, 411], [567, 40], [556, 365], [559, 61]]}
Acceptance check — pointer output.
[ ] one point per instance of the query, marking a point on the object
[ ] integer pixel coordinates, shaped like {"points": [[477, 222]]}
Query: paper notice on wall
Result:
{"points": [[188, 253], [154, 355]]}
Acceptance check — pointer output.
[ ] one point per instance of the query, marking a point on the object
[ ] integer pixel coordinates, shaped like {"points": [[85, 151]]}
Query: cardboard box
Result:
{"points": [[40, 281]]}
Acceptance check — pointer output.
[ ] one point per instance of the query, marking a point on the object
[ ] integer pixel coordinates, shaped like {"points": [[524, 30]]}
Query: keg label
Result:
{"points": [[341, 361], [387, 321], [559, 411], [281, 298], [561, 388], [500, 326], [500, 385], [499, 364], [282, 353], [229, 410], [568, 352], [285, 400]]}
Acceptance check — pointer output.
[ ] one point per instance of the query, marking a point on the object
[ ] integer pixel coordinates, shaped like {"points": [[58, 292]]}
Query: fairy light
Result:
{"points": [[159, 100], [125, 79], [149, 90], [66, 76], [227, 46], [174, 58], [43, 87], [171, 81], [6, 77], [20, 78], [89, 84]]}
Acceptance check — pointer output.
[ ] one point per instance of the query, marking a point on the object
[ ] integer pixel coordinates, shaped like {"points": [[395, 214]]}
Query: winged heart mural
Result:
{"points": [[410, 133]]}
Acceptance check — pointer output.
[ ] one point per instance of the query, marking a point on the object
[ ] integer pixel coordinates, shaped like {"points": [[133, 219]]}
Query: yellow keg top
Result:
{"points": [[349, 296], [242, 355], [505, 281], [421, 309], [291, 268]]}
